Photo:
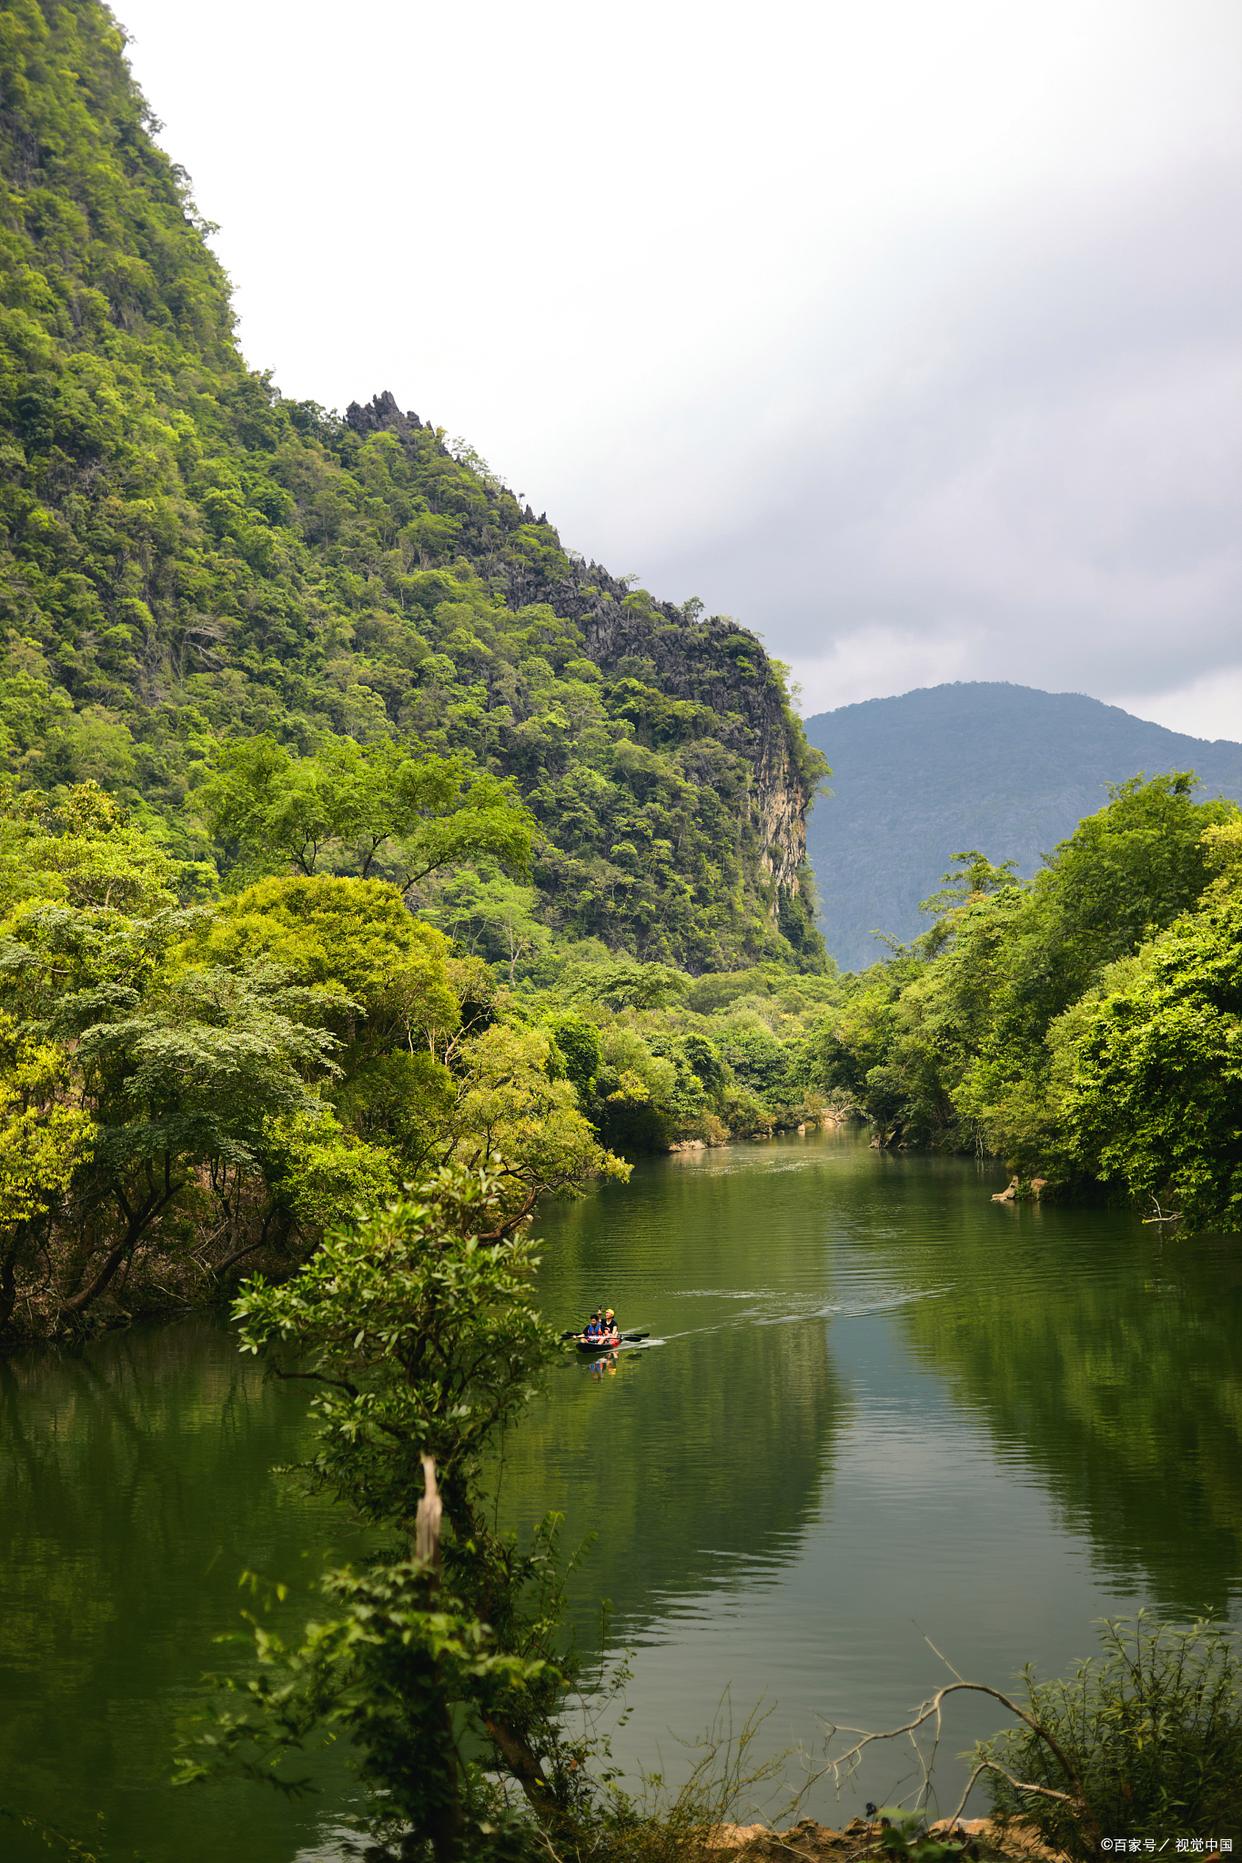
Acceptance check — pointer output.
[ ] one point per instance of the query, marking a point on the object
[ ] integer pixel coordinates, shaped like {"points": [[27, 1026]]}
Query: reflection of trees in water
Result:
{"points": [[134, 1489], [703, 1458], [703, 1452], [1116, 1369]]}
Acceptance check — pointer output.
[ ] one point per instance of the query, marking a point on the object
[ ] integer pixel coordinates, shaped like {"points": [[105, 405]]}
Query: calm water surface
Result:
{"points": [[878, 1409]]}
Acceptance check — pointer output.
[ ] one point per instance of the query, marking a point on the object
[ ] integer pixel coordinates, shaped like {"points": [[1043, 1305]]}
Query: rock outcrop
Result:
{"points": [[713, 661]]}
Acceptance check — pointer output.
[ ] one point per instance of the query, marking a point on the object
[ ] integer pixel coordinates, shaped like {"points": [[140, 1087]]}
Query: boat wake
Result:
{"points": [[763, 1313]]}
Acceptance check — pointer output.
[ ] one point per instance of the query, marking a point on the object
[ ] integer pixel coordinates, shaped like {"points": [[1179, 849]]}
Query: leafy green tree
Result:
{"points": [[1152, 1071], [1146, 1735], [43, 1143], [1011, 1025], [81, 847], [510, 1105], [493, 917], [183, 1082], [435, 1660], [381, 975], [359, 808]]}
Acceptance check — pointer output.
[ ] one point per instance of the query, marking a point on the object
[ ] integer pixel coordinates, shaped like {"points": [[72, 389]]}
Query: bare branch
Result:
{"points": [[931, 1711]]}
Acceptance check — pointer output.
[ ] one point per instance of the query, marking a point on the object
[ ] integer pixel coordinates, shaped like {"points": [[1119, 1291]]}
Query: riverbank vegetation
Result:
{"points": [[1084, 1027], [204, 1070], [209, 1061]]}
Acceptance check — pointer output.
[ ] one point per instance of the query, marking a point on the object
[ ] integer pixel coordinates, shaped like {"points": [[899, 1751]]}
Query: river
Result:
{"points": [[878, 1410]]}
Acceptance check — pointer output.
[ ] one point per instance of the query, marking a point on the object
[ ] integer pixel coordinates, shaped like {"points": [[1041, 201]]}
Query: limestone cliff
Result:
{"points": [[651, 651], [714, 662]]}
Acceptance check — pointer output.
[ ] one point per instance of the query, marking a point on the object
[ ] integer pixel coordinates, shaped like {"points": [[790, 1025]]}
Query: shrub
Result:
{"points": [[1149, 1736]]}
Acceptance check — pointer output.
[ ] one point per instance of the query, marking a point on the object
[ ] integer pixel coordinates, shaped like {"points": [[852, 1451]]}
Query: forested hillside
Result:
{"points": [[186, 557], [1003, 768], [351, 828]]}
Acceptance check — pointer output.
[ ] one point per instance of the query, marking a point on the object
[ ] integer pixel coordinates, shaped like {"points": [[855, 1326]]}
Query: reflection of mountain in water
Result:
{"points": [[1115, 1374], [135, 1488]]}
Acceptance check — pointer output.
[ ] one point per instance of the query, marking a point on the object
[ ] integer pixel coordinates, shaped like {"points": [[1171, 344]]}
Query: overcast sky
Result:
{"points": [[907, 331]]}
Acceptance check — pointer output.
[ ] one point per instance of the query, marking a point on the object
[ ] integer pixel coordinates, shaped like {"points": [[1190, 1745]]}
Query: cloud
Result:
{"points": [[906, 333], [1210, 706], [878, 662], [1046, 492]]}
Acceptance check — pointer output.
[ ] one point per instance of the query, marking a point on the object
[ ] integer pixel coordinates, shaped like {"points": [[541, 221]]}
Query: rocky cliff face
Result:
{"points": [[675, 677], [712, 661], [651, 651]]}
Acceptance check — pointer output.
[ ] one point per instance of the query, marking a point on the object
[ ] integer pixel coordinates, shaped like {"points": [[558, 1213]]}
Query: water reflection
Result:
{"points": [[697, 1459], [135, 1487], [874, 1406], [1106, 1359]]}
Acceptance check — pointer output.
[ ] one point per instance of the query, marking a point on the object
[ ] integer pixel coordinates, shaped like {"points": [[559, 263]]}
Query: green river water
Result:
{"points": [[878, 1409]]}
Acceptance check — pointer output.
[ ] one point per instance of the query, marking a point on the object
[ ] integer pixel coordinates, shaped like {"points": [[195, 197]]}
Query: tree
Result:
{"points": [[186, 1081], [81, 847], [361, 809], [509, 1105], [492, 916], [43, 1143], [1148, 1731], [436, 1659], [1152, 1071]]}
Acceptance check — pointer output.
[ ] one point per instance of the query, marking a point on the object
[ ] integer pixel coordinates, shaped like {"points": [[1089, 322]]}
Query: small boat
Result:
{"points": [[607, 1342]]}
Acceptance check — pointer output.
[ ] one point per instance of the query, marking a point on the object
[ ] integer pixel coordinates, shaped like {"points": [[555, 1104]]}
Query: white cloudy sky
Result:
{"points": [[908, 331]]}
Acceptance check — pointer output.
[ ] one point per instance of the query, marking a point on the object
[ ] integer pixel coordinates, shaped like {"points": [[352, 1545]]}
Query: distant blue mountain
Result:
{"points": [[1004, 768]]}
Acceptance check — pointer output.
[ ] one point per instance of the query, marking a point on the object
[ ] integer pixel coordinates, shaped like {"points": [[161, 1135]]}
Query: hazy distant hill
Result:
{"points": [[999, 767]]}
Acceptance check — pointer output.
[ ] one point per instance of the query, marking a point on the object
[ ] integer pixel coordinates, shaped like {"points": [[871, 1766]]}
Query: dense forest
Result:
{"points": [[349, 824], [352, 827], [974, 764]]}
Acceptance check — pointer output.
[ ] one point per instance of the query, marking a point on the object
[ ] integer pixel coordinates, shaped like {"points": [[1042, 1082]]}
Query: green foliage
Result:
{"points": [[183, 1089], [436, 1661], [905, 1834], [1148, 1741], [347, 627], [420, 1329], [657, 1058], [1081, 1026], [367, 809], [1150, 1068]]}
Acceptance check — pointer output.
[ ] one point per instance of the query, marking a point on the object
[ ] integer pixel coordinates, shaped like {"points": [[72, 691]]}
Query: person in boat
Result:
{"points": [[593, 1327], [610, 1323]]}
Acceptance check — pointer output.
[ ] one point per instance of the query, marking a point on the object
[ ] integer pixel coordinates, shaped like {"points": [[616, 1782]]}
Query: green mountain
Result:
{"points": [[186, 555], [1003, 768]]}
